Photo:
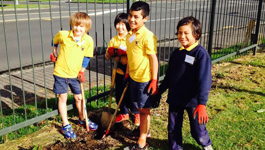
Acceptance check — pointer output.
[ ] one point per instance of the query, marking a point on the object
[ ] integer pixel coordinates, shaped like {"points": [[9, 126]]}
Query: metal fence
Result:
{"points": [[230, 27]]}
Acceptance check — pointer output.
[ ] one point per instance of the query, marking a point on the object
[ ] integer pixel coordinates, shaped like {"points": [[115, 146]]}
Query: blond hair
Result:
{"points": [[80, 18]]}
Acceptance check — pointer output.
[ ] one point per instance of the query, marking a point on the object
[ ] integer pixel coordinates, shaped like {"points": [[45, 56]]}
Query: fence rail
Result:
{"points": [[229, 28]]}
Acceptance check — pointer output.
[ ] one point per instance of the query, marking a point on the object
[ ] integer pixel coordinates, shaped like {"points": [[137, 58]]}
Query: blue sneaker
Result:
{"points": [[92, 126], [68, 132]]}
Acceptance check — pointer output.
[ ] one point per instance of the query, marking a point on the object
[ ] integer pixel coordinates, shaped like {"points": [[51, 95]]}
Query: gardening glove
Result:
{"points": [[112, 51], [81, 76], [121, 52], [202, 114], [156, 99], [152, 89], [53, 57], [126, 79]]}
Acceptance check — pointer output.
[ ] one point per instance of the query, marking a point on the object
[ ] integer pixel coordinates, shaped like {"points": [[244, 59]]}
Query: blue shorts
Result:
{"points": [[139, 94], [61, 85]]}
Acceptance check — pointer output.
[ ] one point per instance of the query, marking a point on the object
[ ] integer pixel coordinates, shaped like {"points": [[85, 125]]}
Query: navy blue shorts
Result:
{"points": [[139, 94], [61, 85]]}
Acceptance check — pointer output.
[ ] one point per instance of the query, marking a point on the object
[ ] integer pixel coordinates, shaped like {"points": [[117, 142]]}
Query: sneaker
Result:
{"points": [[122, 117], [135, 147], [209, 147], [92, 126], [68, 132], [137, 120], [136, 133]]}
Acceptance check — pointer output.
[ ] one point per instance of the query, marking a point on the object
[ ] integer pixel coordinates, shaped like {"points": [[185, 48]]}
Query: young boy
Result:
{"points": [[188, 79], [142, 66], [75, 49], [117, 50]]}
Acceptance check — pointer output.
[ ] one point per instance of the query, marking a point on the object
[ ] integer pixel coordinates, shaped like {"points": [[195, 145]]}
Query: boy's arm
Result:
{"points": [[153, 89], [81, 74]]}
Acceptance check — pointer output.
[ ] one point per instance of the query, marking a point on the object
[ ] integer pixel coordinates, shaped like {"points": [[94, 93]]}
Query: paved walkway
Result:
{"points": [[41, 89]]}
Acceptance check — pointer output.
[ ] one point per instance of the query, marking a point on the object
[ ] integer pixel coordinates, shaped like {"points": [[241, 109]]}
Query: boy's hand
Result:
{"points": [[202, 114], [81, 76], [53, 57], [152, 89]]}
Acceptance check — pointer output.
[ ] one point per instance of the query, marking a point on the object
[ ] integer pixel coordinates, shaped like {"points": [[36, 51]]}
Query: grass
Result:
{"points": [[31, 112], [236, 96]]}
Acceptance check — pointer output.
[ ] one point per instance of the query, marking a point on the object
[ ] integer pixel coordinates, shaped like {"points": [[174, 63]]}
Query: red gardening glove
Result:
{"points": [[121, 52], [53, 57], [81, 76], [202, 114], [112, 51], [152, 89]]}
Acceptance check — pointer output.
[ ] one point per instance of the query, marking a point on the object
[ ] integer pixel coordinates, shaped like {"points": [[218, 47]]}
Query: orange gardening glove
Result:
{"points": [[53, 57], [152, 89], [202, 114], [81, 76]]}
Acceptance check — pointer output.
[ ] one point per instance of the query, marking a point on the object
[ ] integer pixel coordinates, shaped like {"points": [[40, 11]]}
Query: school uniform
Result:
{"points": [[139, 46], [188, 80], [69, 61], [120, 43]]}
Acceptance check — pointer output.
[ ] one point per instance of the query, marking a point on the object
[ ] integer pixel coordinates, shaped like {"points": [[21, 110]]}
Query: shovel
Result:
{"points": [[84, 106], [113, 82], [123, 93]]}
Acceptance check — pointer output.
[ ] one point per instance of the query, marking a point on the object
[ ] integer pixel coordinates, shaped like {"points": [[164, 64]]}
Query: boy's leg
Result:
{"points": [[63, 108], [76, 89], [198, 131], [139, 94], [175, 119], [145, 118]]}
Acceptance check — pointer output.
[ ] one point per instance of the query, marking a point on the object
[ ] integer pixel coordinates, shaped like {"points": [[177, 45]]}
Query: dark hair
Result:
{"points": [[140, 5], [122, 17], [195, 24]]}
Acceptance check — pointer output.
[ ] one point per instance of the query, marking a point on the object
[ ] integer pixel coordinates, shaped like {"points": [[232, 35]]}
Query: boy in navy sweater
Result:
{"points": [[188, 79]]}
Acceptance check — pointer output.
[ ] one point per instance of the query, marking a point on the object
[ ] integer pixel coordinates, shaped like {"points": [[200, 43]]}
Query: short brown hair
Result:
{"points": [[81, 18], [195, 24]]}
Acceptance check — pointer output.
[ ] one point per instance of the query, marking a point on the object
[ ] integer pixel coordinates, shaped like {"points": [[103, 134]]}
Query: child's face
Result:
{"points": [[185, 36], [79, 30], [121, 28], [136, 20]]}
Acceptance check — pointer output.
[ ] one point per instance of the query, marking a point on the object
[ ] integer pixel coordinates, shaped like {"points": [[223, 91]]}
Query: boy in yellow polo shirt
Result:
{"points": [[76, 47], [117, 50], [142, 66]]}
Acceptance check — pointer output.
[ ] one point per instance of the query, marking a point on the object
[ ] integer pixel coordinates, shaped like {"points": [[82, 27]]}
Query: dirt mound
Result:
{"points": [[117, 138]]}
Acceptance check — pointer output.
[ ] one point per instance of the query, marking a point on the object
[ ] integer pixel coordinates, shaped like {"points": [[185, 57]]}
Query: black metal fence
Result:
{"points": [[230, 27]]}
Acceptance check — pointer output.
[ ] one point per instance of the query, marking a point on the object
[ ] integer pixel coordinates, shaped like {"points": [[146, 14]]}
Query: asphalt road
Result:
{"points": [[26, 34]]}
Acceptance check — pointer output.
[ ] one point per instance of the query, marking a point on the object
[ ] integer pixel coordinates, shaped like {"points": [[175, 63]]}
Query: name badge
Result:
{"points": [[122, 47], [189, 59], [132, 38]]}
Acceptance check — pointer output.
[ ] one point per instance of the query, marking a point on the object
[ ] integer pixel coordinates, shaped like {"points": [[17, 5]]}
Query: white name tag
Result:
{"points": [[189, 59], [122, 47], [132, 38]]}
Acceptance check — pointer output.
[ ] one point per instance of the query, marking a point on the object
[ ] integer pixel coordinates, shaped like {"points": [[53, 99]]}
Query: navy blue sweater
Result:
{"points": [[188, 84]]}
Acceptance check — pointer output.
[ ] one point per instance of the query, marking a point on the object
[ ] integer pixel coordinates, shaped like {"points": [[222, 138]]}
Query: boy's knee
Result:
{"points": [[78, 97]]}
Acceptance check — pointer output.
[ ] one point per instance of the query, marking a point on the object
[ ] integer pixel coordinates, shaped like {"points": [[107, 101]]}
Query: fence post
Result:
{"points": [[129, 3], [210, 44], [257, 27]]}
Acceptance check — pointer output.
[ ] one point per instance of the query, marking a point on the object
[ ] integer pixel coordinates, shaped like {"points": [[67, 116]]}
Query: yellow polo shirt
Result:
{"points": [[118, 42], [139, 46], [71, 53]]}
